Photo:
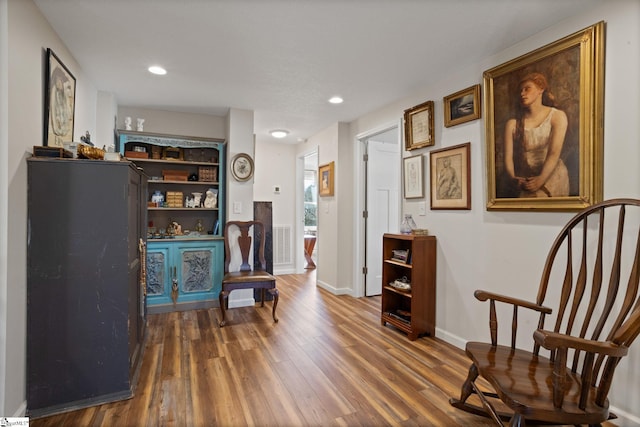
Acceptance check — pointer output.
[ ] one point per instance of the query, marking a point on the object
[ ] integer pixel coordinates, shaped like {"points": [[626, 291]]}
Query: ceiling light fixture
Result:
{"points": [[279, 133], [156, 69], [336, 100]]}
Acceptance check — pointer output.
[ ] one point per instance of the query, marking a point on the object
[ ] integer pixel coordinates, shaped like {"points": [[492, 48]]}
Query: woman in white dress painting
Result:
{"points": [[533, 142]]}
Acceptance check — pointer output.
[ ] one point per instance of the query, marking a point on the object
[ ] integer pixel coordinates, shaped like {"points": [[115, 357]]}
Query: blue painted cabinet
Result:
{"points": [[185, 247], [180, 272]]}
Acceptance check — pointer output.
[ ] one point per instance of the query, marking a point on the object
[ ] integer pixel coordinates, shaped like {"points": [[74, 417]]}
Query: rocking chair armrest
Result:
{"points": [[485, 295], [553, 340]]}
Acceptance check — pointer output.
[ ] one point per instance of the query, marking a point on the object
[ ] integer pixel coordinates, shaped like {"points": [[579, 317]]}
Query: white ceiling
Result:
{"points": [[285, 58]]}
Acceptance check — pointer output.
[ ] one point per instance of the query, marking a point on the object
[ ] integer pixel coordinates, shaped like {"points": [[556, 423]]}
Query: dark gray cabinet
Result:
{"points": [[85, 302]]}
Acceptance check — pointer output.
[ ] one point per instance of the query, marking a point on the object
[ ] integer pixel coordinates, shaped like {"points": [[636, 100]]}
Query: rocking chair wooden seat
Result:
{"points": [[247, 277], [596, 262]]}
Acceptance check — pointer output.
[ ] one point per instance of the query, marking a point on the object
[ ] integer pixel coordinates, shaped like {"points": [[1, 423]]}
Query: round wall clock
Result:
{"points": [[242, 167]]}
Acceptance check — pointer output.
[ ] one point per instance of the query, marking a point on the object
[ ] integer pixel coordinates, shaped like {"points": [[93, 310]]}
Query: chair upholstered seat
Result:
{"points": [[247, 277]]}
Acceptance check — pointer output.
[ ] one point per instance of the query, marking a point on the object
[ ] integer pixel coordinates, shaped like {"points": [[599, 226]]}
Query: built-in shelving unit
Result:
{"points": [[184, 263]]}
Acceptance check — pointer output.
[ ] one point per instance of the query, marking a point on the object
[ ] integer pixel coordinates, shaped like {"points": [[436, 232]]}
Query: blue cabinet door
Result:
{"points": [[193, 268]]}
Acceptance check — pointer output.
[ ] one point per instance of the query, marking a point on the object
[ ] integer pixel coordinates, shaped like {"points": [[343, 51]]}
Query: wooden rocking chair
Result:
{"points": [[595, 261]]}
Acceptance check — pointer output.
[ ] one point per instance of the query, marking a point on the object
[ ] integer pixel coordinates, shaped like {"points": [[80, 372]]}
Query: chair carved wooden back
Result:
{"points": [[244, 243], [591, 277]]}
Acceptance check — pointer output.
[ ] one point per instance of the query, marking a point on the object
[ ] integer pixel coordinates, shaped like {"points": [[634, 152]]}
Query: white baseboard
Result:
{"points": [[244, 302], [450, 338], [22, 410], [333, 289]]}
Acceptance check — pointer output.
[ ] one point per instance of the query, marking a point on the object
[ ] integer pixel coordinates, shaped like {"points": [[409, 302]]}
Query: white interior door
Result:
{"points": [[383, 202]]}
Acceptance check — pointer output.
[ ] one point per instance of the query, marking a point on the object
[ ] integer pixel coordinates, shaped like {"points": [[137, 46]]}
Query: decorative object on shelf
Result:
{"points": [[408, 224], [413, 177], [199, 226], [86, 138], [402, 284], [172, 153], [51, 152], [197, 199], [326, 173], [174, 199], [60, 102], [127, 123], [573, 69], [175, 175], [87, 152], [418, 126], [207, 173], [420, 232], [157, 198], [242, 167], [139, 125], [156, 152], [462, 106], [211, 199], [451, 177]]}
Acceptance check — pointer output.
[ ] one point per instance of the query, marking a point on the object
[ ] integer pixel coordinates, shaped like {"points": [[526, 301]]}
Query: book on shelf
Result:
{"points": [[402, 255]]}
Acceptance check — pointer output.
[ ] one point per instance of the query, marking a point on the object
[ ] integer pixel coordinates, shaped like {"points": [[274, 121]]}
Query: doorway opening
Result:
{"points": [[310, 197], [379, 193]]}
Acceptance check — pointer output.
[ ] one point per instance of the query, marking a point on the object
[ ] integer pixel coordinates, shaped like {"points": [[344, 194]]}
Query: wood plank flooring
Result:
{"points": [[328, 362]]}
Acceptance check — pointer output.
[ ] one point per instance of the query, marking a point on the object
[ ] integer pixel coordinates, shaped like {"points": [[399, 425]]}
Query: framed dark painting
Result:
{"points": [[462, 106], [60, 102], [544, 116]]}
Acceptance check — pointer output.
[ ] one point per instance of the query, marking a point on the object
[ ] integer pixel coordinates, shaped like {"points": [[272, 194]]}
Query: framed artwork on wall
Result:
{"points": [[418, 126], [544, 115], [413, 177], [326, 174], [451, 177], [60, 102], [462, 106]]}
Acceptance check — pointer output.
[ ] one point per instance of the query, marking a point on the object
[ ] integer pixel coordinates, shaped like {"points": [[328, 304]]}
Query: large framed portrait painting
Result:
{"points": [[544, 126]]}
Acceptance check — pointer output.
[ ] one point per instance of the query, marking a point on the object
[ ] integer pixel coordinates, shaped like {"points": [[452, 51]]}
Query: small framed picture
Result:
{"points": [[462, 106], [326, 174], [60, 102], [451, 177], [418, 126], [413, 177]]}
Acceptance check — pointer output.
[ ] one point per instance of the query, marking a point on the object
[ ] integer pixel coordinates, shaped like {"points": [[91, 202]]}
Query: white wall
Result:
{"points": [[275, 166], [505, 251], [4, 188], [173, 123]]}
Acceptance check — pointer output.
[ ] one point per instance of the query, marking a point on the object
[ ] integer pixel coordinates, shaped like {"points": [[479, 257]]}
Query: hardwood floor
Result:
{"points": [[327, 362]]}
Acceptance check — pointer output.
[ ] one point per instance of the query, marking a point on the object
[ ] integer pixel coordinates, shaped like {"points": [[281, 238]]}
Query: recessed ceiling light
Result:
{"points": [[156, 69], [279, 133], [336, 100]]}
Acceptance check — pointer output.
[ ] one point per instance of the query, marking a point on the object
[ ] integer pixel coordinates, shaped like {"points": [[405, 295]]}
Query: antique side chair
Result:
{"points": [[247, 277]]}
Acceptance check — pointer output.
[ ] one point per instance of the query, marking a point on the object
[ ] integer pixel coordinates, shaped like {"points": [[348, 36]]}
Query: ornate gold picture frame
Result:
{"points": [[462, 106], [418, 126], [451, 177], [564, 126], [326, 175]]}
